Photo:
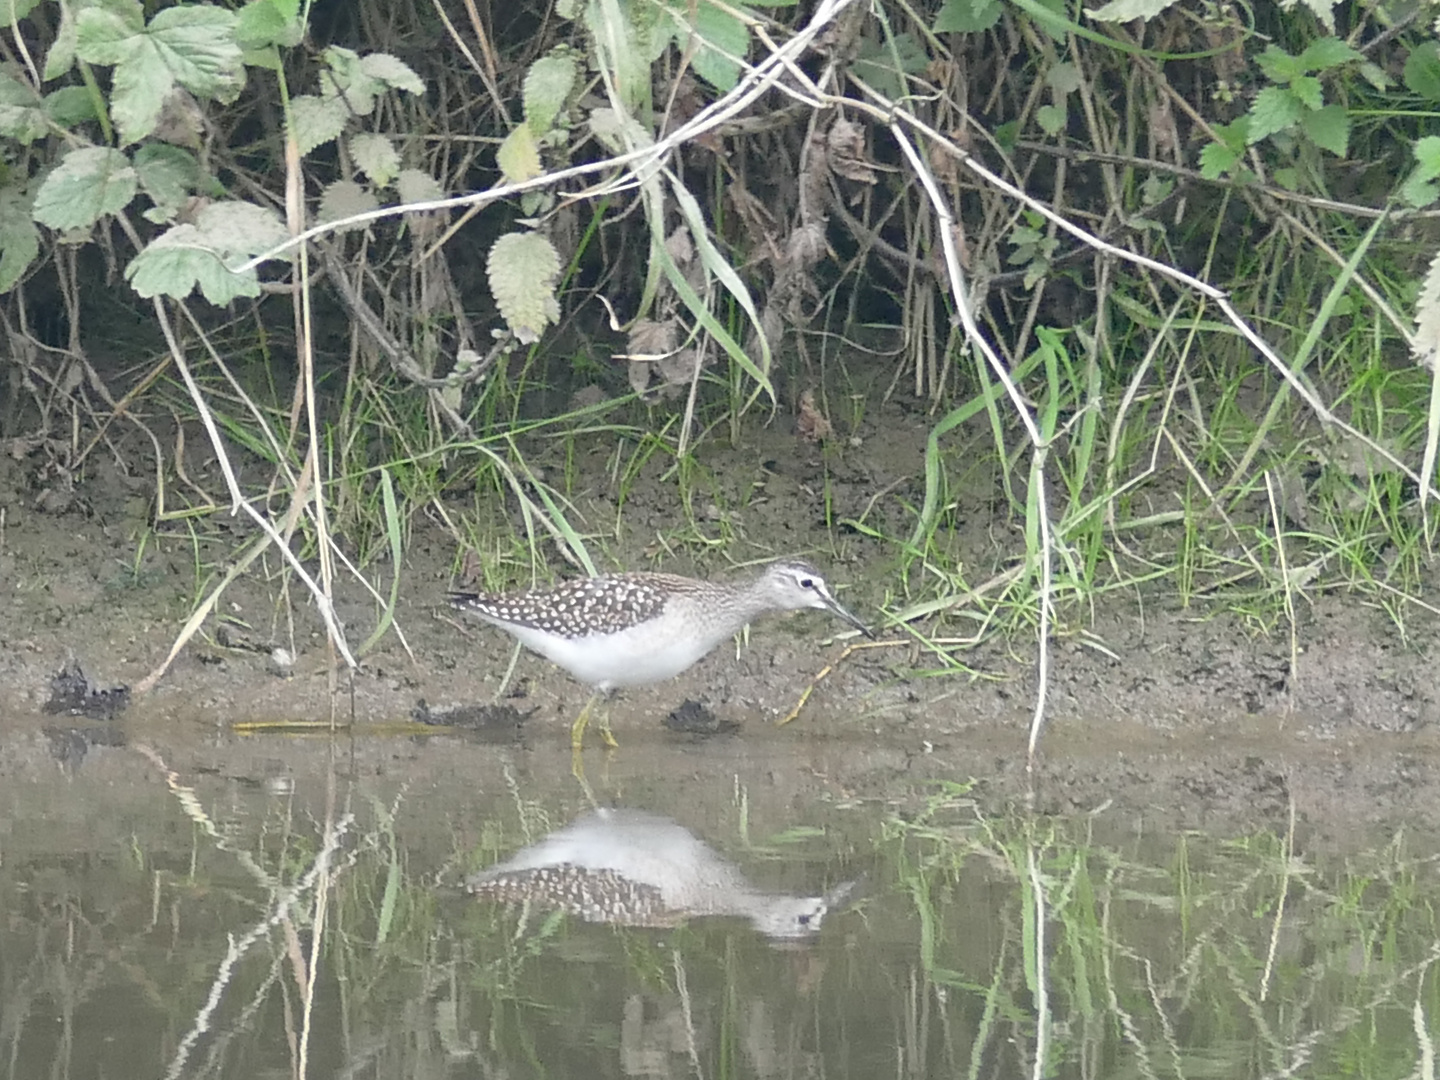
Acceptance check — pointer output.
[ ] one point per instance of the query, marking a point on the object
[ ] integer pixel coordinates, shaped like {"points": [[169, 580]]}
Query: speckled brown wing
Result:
{"points": [[579, 608]]}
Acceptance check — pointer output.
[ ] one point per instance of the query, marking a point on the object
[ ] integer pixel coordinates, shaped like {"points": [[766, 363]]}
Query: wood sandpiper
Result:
{"points": [[632, 868], [639, 628]]}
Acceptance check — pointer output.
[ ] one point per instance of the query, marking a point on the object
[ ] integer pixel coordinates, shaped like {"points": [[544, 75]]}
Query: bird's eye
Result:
{"points": [[804, 920], [807, 583]]}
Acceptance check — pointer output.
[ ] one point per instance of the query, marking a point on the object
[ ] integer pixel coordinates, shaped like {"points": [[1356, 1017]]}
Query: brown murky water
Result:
{"points": [[199, 903]]}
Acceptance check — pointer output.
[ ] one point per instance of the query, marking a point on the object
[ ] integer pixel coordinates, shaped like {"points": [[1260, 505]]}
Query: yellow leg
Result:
{"points": [[577, 729]]}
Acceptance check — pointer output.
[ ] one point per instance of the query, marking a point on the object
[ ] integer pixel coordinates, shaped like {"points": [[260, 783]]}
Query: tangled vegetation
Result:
{"points": [[1154, 273]]}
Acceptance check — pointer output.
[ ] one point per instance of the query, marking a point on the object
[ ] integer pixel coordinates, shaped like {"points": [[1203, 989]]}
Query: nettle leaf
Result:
{"points": [[19, 239], [193, 46], [376, 157], [414, 186], [1422, 71], [1277, 65], [1325, 53], [87, 184], [392, 72], [1308, 90], [174, 263], [1419, 188], [523, 268], [168, 174], [1051, 119], [519, 156], [316, 121], [966, 16], [22, 113], [547, 87], [1323, 10], [1216, 160], [1274, 110], [1328, 128], [716, 36], [343, 199]]}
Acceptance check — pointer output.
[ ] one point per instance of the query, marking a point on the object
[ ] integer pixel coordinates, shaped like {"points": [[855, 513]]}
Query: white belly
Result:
{"points": [[644, 654]]}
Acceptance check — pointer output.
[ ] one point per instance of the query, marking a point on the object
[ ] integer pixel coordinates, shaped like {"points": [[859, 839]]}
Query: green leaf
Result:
{"points": [[1051, 119], [618, 45], [174, 263], [1274, 110], [87, 184], [519, 156], [1308, 91], [1419, 188], [966, 16], [1328, 128], [262, 23], [414, 186], [1325, 53], [11, 12], [717, 36], [168, 174], [547, 87], [1063, 77], [1277, 65], [19, 239], [1216, 160], [376, 157], [523, 268], [1422, 71], [70, 106], [345, 199], [393, 72], [22, 113], [1126, 10], [875, 64], [193, 46], [316, 121]]}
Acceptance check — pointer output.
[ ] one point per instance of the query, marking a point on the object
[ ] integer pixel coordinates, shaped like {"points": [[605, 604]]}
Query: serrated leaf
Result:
{"points": [[1274, 110], [1323, 10], [376, 157], [19, 239], [240, 230], [1426, 344], [1325, 53], [1125, 10], [1375, 75], [716, 36], [414, 186], [168, 174], [87, 184], [1308, 91], [1328, 128], [519, 156], [316, 121], [522, 269], [393, 72], [966, 16], [193, 46], [1216, 160], [175, 262], [1422, 71], [1419, 188], [547, 87], [343, 199], [61, 57], [1277, 65]]}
